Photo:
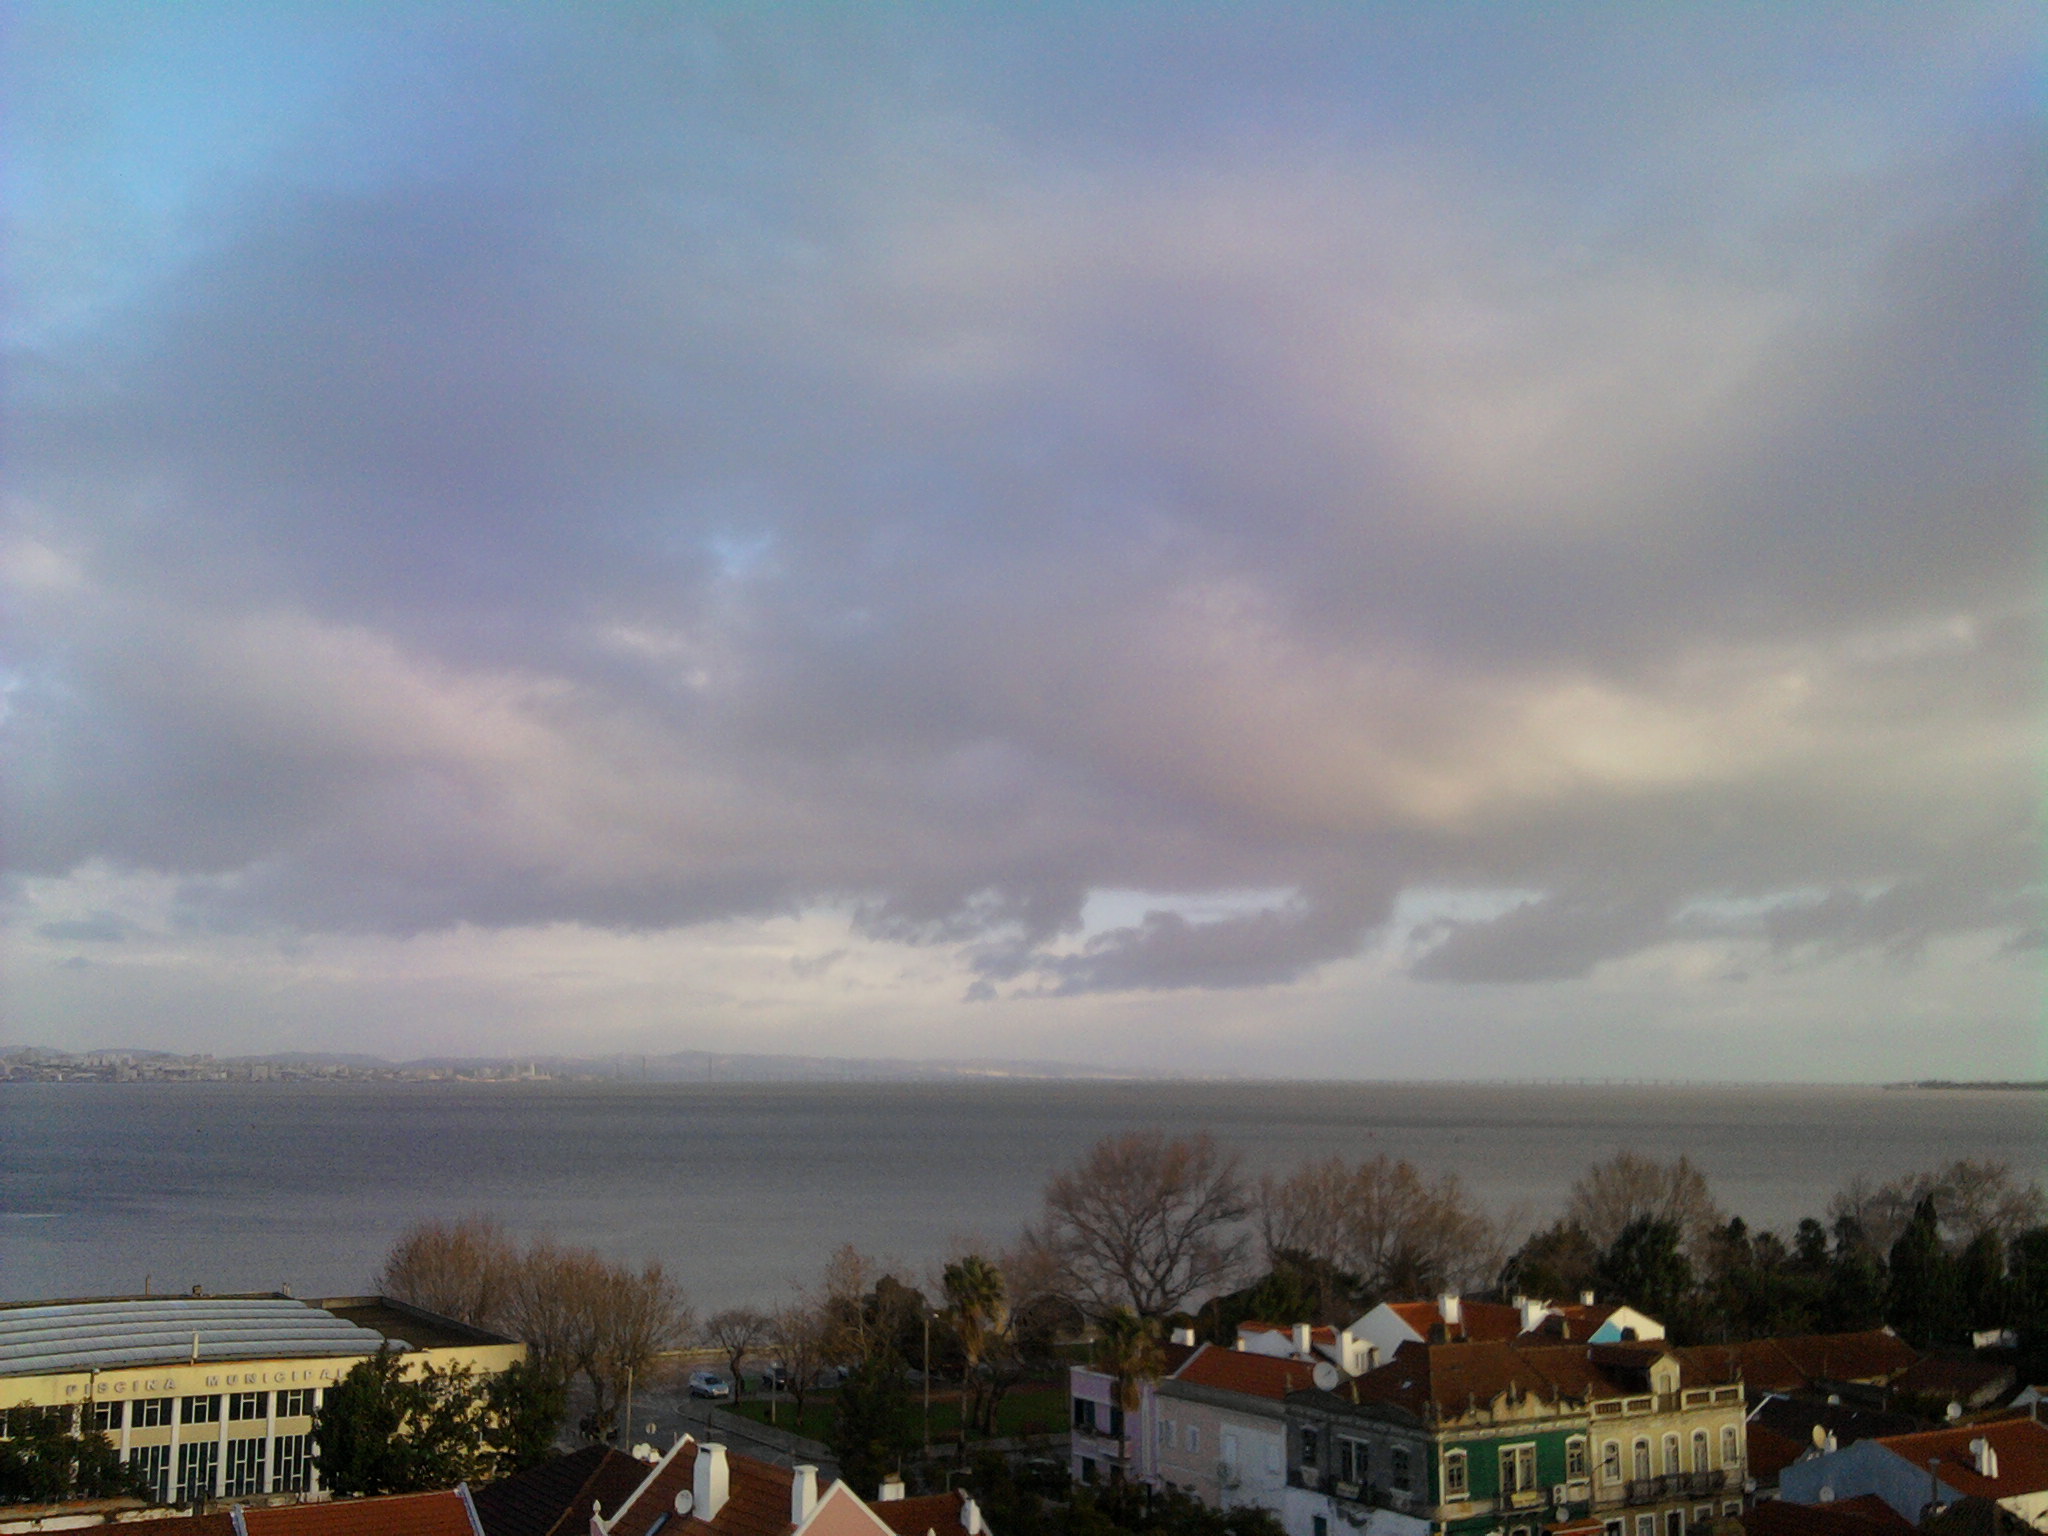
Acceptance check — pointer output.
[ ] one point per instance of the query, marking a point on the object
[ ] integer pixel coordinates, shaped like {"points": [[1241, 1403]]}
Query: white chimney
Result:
{"points": [[1184, 1336], [1983, 1457], [970, 1517], [803, 1493], [1301, 1338], [1586, 1298], [891, 1489], [1532, 1312], [1452, 1309], [710, 1481]]}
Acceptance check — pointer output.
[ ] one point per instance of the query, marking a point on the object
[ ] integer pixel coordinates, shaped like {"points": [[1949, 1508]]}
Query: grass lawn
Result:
{"points": [[1037, 1408]]}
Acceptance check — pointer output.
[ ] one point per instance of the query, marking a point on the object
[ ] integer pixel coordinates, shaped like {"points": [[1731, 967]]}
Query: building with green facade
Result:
{"points": [[1474, 1439]]}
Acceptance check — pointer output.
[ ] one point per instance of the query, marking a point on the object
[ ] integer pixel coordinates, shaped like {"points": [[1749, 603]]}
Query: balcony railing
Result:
{"points": [[1645, 1490]]}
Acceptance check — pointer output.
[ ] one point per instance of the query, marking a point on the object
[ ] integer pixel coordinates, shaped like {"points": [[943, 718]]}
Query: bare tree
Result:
{"points": [[467, 1270], [1971, 1197], [797, 1334], [1146, 1222], [1629, 1187], [737, 1333], [640, 1315], [1382, 1222]]}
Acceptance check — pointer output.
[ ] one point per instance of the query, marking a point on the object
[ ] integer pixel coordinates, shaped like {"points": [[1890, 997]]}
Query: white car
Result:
{"points": [[709, 1384]]}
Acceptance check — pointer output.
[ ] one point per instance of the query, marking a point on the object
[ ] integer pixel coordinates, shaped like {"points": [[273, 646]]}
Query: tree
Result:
{"points": [[1557, 1263], [1646, 1267], [641, 1314], [874, 1427], [43, 1462], [1925, 1301], [1981, 1278], [1629, 1187], [1970, 1196], [1129, 1351], [358, 1433], [1146, 1222], [736, 1333], [978, 1310], [467, 1270], [798, 1335], [526, 1403], [1382, 1221]]}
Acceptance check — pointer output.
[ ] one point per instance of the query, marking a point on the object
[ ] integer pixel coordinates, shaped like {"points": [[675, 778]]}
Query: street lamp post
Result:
{"points": [[927, 1385]]}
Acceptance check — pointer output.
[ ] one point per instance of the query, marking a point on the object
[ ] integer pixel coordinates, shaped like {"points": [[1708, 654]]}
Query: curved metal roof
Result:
{"points": [[109, 1335]]}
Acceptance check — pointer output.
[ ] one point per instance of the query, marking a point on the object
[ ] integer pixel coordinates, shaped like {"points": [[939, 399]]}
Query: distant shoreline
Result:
{"points": [[1983, 1087]]}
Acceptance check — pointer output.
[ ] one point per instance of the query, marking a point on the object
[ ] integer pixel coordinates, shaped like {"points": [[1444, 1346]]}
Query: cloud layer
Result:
{"points": [[653, 473]]}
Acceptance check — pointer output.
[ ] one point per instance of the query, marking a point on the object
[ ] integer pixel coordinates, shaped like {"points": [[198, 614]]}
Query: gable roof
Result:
{"points": [[399, 1514], [1801, 1362], [757, 1498], [1478, 1321], [1445, 1379], [2021, 1446], [1322, 1333], [1246, 1372], [554, 1498], [934, 1514]]}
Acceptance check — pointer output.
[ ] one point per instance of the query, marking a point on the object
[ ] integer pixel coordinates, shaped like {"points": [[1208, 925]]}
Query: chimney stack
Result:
{"points": [[1301, 1339], [891, 1489], [1184, 1336], [710, 1481], [1983, 1457], [1452, 1309], [803, 1493], [970, 1517], [1585, 1298]]}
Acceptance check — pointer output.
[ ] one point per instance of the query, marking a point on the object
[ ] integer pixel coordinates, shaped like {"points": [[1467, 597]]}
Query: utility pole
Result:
{"points": [[928, 1385]]}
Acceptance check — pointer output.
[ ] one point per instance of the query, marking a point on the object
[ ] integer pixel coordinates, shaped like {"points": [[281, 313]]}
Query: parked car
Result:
{"points": [[775, 1378], [709, 1384]]}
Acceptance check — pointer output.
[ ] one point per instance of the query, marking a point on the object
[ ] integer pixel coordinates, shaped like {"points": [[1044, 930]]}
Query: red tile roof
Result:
{"points": [[1240, 1370], [1864, 1516], [757, 1501], [554, 1498], [2021, 1446], [400, 1514], [1770, 1453], [1449, 1378], [1322, 1334], [1799, 1362], [936, 1514], [1478, 1321]]}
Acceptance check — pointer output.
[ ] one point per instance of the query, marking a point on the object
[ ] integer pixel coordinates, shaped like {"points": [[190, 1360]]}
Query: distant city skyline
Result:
{"points": [[1371, 541]]}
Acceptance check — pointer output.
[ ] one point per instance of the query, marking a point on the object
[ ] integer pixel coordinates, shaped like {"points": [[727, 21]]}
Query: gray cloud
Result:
{"points": [[644, 474]]}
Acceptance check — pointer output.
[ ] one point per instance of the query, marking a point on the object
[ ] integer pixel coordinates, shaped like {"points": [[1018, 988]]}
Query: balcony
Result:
{"points": [[1521, 1498], [1645, 1490], [1706, 1482]]}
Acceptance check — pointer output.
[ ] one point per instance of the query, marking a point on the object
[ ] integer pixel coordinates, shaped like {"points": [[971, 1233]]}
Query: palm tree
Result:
{"points": [[977, 1304], [1128, 1349]]}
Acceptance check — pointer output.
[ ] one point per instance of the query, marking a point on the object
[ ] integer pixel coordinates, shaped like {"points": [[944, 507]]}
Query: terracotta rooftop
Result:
{"points": [[1802, 1361], [757, 1502], [936, 1514], [1867, 1515], [555, 1497], [2021, 1446], [400, 1514], [1478, 1321], [1238, 1370], [1449, 1378]]}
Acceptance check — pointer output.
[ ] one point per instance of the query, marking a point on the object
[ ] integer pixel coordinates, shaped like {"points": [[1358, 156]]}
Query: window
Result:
{"points": [[107, 1416], [198, 1410], [1319, 1526], [1699, 1450], [1703, 1516], [1354, 1462], [1310, 1448], [1169, 1434], [151, 1465], [245, 1468], [1401, 1471], [294, 1463], [1646, 1525], [1084, 1414], [1194, 1439], [151, 1412], [1610, 1461], [1087, 1469], [1575, 1458], [1455, 1475], [1670, 1454], [296, 1404], [1642, 1461], [1674, 1523], [1732, 1509], [1613, 1528], [197, 1462], [1517, 1468], [248, 1405], [1731, 1450]]}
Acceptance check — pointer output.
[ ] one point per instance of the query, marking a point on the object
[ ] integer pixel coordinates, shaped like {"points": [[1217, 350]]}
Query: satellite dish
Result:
{"points": [[1327, 1376], [685, 1501]]}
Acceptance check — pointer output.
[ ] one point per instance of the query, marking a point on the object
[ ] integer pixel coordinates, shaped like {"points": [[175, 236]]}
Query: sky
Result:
{"points": [[1372, 540]]}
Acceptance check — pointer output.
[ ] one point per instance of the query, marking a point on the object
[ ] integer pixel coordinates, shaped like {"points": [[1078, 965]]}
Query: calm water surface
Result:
{"points": [[742, 1188]]}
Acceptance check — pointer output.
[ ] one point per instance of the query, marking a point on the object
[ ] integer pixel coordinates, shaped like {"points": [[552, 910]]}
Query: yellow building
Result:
{"points": [[214, 1396]]}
